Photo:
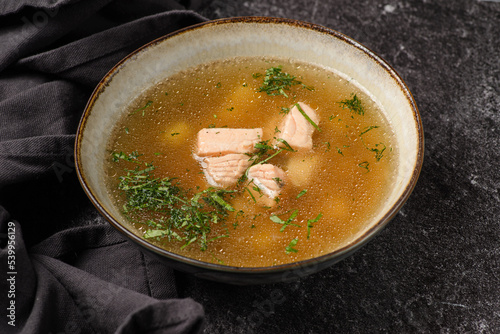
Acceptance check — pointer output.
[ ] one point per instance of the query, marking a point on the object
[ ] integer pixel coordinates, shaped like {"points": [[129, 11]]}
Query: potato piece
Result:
{"points": [[178, 133], [264, 238], [301, 169], [336, 208], [241, 105]]}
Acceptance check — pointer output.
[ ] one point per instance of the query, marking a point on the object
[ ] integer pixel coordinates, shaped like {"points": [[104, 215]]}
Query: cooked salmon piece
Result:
{"points": [[221, 141], [296, 130], [224, 171], [268, 178]]}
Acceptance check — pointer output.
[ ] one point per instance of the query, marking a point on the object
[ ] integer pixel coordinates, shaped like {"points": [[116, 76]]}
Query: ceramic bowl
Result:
{"points": [[248, 36]]}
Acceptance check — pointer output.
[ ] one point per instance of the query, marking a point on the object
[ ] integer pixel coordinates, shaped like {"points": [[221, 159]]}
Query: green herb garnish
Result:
{"points": [[132, 157], [284, 110], [310, 224], [278, 181], [144, 192], [364, 165], [379, 152], [287, 146], [302, 193], [148, 104], [266, 152], [251, 195], [289, 249], [339, 151], [353, 104], [287, 222], [368, 128], [276, 82], [307, 117], [183, 218]]}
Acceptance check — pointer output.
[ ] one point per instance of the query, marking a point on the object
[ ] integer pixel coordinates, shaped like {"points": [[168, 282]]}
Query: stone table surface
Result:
{"points": [[436, 267]]}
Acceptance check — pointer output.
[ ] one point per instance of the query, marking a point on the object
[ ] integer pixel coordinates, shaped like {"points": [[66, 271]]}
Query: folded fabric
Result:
{"points": [[68, 271], [90, 280]]}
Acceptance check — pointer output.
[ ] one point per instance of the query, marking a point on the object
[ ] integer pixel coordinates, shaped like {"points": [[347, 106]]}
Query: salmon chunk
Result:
{"points": [[268, 178], [296, 130], [224, 171], [221, 141]]}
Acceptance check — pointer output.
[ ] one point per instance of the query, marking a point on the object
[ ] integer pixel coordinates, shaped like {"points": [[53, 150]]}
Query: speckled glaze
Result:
{"points": [[250, 36]]}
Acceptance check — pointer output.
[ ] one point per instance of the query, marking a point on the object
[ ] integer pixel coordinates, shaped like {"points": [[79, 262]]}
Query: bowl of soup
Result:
{"points": [[250, 150]]}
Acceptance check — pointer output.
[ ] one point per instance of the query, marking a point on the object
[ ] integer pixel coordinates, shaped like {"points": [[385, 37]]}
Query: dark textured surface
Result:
{"points": [[436, 267]]}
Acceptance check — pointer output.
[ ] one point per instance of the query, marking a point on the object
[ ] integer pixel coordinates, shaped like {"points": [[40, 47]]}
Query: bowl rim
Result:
{"points": [[339, 253]]}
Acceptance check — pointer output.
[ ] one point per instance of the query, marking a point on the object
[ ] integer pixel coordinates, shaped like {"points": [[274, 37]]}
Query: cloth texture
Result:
{"points": [[67, 270]]}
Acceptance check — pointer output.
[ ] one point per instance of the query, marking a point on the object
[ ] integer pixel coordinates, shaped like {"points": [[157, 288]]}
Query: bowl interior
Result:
{"points": [[249, 37]]}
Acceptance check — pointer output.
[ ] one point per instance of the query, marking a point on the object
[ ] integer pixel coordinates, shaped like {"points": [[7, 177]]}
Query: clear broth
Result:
{"points": [[345, 181]]}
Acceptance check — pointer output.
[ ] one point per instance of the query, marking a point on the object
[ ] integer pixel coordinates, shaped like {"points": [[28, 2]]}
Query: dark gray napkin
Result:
{"points": [[72, 272]]}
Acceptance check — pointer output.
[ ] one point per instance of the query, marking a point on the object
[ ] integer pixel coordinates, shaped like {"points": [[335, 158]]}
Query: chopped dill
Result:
{"points": [[365, 165], [148, 104], [368, 128], [265, 152], [184, 218], [216, 259], [353, 104], [278, 181], [276, 82], [378, 149], [284, 110], [132, 157]]}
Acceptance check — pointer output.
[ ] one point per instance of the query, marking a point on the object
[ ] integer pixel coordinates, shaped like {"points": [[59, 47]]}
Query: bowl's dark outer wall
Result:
{"points": [[436, 267]]}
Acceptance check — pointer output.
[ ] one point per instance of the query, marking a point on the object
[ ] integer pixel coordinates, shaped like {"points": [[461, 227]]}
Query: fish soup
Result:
{"points": [[251, 162]]}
